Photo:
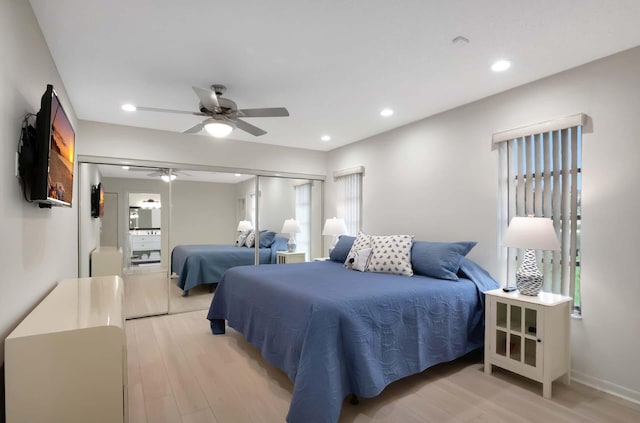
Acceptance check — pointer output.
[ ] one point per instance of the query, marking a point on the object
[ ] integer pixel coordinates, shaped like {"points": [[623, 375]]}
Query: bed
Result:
{"points": [[205, 264], [336, 332]]}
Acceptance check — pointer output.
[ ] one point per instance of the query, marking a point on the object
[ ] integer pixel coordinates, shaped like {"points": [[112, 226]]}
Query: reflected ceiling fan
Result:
{"points": [[164, 174], [223, 115]]}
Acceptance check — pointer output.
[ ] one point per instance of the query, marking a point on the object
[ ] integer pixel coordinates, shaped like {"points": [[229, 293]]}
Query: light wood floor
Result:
{"points": [[179, 372], [146, 294]]}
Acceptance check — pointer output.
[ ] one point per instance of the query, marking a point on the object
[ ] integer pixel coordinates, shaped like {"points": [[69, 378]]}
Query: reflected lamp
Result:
{"points": [[291, 227]]}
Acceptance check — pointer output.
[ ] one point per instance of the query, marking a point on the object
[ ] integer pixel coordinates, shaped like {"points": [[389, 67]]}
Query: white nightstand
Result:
{"points": [[285, 257], [528, 335]]}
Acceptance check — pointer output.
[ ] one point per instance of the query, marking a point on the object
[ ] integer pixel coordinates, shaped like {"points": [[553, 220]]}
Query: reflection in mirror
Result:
{"points": [[206, 209], [142, 233], [293, 208]]}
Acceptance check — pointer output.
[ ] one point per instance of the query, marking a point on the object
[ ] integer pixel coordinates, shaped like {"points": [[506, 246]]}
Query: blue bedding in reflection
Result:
{"points": [[205, 264], [336, 331]]}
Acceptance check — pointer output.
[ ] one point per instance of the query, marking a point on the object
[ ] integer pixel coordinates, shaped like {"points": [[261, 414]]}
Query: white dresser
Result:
{"points": [[106, 261], [67, 360]]}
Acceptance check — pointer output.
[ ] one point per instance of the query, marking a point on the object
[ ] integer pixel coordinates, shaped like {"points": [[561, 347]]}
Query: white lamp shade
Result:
{"points": [[291, 226], [244, 225], [534, 233], [334, 227], [218, 129]]}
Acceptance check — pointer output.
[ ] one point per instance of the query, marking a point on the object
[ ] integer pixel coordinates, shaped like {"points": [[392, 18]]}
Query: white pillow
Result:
{"points": [[362, 241], [391, 254], [251, 239], [362, 259]]}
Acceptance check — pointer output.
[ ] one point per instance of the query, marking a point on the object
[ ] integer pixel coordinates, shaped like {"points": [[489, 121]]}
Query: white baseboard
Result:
{"points": [[605, 386]]}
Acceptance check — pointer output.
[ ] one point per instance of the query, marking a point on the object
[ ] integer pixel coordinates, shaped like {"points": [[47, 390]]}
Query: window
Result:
{"points": [[349, 206], [303, 216], [542, 176]]}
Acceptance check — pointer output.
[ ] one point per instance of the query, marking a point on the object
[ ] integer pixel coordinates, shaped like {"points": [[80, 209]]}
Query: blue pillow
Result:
{"points": [[342, 248], [439, 259], [267, 238]]}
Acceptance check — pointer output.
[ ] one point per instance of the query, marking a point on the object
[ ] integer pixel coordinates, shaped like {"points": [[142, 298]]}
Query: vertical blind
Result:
{"points": [[303, 216], [349, 205], [543, 178]]}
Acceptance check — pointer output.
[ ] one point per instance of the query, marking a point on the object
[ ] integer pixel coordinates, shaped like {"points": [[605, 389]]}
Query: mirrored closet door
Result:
{"points": [[180, 229], [136, 223], [207, 207]]}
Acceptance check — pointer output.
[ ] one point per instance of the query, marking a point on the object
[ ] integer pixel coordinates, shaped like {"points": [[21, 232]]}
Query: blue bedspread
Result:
{"points": [[204, 264], [336, 331]]}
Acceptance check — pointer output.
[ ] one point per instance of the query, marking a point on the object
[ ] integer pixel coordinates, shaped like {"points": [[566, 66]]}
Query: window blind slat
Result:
{"points": [[547, 207], [573, 208], [557, 269], [511, 210], [528, 188], [566, 211]]}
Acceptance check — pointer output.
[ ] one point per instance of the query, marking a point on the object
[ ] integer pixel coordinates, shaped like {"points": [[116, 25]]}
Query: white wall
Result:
{"points": [[438, 178], [203, 213], [40, 245], [106, 140]]}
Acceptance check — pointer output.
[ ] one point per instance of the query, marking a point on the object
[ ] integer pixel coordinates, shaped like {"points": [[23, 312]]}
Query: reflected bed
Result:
{"points": [[205, 264]]}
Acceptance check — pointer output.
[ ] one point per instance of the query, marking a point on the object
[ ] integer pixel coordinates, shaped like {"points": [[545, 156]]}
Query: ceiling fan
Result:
{"points": [[165, 174], [223, 115]]}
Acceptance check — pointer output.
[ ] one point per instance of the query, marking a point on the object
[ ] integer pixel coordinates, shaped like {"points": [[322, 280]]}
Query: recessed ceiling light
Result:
{"points": [[500, 65], [386, 112], [238, 174], [125, 167], [128, 107], [325, 138]]}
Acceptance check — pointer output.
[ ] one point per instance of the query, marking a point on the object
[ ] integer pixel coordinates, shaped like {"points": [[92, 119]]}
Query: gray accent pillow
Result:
{"points": [[241, 240], [362, 241], [362, 259], [391, 254]]}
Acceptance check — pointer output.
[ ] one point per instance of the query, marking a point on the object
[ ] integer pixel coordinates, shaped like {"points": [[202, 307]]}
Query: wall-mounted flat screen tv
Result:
{"points": [[97, 200], [51, 181]]}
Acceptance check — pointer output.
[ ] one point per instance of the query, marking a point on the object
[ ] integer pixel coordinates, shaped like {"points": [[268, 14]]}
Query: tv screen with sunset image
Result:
{"points": [[61, 155]]}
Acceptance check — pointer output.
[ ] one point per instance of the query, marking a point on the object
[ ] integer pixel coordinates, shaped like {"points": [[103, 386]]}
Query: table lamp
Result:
{"points": [[530, 233], [291, 227], [244, 225], [334, 227]]}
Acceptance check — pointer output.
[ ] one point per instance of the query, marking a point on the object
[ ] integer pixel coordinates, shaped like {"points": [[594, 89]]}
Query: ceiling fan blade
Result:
{"points": [[247, 127], [264, 112], [207, 97], [194, 129], [154, 109]]}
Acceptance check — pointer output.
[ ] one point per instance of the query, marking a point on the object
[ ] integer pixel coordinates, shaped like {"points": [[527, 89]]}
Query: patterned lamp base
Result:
{"points": [[291, 245], [528, 277]]}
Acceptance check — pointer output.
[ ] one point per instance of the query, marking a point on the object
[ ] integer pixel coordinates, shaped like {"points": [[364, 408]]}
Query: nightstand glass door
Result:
{"points": [[517, 332]]}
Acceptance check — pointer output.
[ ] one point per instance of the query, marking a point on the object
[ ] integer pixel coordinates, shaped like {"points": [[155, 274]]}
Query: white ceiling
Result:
{"points": [[334, 63]]}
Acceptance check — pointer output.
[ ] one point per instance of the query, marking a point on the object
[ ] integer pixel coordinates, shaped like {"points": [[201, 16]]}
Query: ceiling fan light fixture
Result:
{"points": [[168, 178], [129, 108], [218, 129]]}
